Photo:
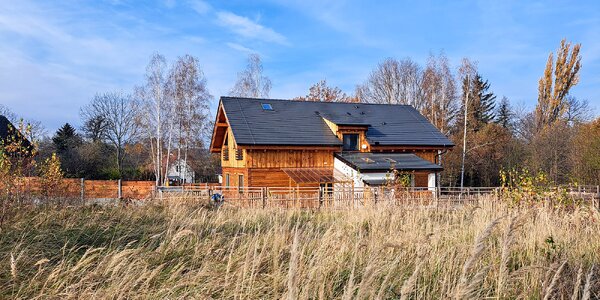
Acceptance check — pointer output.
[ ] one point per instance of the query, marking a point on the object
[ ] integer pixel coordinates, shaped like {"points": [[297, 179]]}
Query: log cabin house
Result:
{"points": [[289, 143]]}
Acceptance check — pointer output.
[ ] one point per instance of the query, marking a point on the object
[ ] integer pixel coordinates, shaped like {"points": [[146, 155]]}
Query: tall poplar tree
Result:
{"points": [[559, 77]]}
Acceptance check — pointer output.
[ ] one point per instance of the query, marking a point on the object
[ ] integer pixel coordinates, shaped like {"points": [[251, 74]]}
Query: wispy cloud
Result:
{"points": [[240, 48], [249, 29], [200, 6], [170, 3]]}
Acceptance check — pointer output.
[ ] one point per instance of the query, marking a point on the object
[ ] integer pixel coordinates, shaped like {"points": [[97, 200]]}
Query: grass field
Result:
{"points": [[187, 251]]}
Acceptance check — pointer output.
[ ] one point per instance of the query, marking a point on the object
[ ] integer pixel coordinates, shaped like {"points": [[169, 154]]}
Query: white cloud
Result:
{"points": [[249, 29], [240, 48], [200, 6]]}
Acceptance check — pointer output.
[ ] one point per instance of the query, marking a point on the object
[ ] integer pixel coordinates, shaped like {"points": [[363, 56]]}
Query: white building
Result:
{"points": [[181, 172], [378, 168]]}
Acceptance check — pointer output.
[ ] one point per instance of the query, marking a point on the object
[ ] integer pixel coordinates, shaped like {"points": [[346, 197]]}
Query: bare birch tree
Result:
{"points": [[190, 96], [119, 113], [251, 82], [153, 101]]}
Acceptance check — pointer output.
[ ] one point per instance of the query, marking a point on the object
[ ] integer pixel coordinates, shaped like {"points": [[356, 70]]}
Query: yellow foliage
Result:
{"points": [[51, 175], [552, 95]]}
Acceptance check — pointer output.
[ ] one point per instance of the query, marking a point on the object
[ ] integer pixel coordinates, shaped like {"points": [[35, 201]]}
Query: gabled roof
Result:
{"points": [[292, 122], [10, 134], [381, 162]]}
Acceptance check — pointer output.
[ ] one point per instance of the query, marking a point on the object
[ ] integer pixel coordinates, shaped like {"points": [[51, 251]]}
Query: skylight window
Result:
{"points": [[390, 160], [266, 106]]}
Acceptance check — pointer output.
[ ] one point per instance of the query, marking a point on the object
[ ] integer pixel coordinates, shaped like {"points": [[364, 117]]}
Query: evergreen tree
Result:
{"points": [[480, 105], [66, 138], [504, 114]]}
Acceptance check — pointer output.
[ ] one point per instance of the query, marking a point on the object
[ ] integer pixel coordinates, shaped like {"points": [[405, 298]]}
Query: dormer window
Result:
{"points": [[350, 141]]}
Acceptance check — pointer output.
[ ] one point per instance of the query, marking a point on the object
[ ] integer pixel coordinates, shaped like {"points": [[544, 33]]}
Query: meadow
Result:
{"points": [[185, 250]]}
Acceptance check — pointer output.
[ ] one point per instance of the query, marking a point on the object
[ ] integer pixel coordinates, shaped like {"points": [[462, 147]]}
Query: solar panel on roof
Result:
{"points": [[266, 106]]}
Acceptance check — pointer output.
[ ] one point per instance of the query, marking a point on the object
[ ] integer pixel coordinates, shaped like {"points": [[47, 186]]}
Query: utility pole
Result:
{"points": [[464, 152]]}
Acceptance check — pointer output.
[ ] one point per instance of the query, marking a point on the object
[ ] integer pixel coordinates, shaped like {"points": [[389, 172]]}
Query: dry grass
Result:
{"points": [[186, 251]]}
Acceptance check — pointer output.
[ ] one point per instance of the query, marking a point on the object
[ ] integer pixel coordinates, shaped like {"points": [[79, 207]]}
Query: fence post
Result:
{"points": [[263, 192], [320, 196], [82, 189], [119, 190]]}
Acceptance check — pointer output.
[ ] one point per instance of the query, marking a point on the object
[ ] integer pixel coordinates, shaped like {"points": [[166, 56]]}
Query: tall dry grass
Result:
{"points": [[186, 251]]}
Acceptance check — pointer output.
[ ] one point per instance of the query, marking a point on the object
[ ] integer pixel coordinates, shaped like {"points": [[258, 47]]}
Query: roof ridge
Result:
{"points": [[297, 100]]}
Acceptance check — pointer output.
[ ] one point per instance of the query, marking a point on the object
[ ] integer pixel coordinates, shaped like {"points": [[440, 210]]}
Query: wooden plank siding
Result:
{"points": [[273, 177], [234, 176], [231, 154], [270, 158], [262, 167]]}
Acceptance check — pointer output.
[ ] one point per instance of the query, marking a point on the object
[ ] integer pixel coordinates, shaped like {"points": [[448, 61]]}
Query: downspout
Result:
{"points": [[438, 176]]}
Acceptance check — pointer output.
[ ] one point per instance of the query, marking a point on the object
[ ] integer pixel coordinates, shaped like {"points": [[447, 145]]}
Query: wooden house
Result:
{"points": [[288, 143]]}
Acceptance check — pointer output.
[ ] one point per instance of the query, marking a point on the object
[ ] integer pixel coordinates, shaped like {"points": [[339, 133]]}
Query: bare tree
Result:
{"points": [[320, 91], [467, 71], [251, 82], [94, 127], [36, 131], [578, 111], [154, 103], [439, 93], [8, 113], [393, 82], [119, 113], [187, 89]]}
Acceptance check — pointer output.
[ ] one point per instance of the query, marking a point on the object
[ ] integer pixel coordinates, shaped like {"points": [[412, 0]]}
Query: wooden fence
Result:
{"points": [[86, 189], [347, 197], [341, 197], [282, 197]]}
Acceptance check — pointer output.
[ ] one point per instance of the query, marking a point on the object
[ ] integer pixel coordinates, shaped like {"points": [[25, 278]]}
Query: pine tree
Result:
{"points": [[485, 100], [65, 138], [504, 114], [481, 103]]}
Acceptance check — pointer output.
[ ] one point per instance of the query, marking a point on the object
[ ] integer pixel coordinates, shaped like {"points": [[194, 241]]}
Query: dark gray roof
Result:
{"points": [[10, 134], [301, 123], [374, 162]]}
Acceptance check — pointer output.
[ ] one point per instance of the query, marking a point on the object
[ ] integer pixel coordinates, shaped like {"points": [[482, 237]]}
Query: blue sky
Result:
{"points": [[55, 55]]}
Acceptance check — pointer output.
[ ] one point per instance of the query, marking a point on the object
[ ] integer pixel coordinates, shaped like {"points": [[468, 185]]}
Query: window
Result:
{"points": [[239, 154], [266, 106], [350, 142], [178, 168], [226, 148], [241, 183], [227, 180], [226, 153]]}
